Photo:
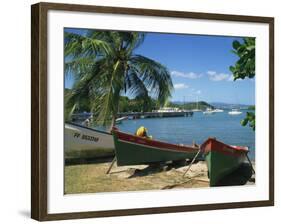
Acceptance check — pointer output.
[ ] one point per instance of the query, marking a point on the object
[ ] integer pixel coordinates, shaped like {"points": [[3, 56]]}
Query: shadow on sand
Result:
{"points": [[240, 176], [157, 168]]}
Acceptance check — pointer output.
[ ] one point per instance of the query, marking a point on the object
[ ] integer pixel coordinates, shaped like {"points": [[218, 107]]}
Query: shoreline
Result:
{"points": [[92, 178]]}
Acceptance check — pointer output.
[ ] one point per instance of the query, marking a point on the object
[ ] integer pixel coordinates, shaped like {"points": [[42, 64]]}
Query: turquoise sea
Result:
{"points": [[185, 130]]}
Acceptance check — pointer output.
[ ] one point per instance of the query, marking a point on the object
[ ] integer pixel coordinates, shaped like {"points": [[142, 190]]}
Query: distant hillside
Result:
{"points": [[201, 105], [230, 106]]}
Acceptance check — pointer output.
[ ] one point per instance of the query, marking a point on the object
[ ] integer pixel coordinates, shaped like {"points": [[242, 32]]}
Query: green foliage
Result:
{"points": [[104, 67], [138, 104], [75, 103], [251, 107], [250, 120], [245, 67], [202, 105]]}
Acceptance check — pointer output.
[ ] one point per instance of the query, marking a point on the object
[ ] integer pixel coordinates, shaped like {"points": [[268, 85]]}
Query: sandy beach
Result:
{"points": [[91, 177]]}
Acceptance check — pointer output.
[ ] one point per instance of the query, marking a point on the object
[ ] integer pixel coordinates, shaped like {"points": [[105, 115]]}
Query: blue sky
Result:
{"points": [[199, 67]]}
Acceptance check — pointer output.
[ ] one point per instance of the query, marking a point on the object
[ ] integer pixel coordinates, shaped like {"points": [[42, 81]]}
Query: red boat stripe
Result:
{"points": [[217, 146], [156, 144]]}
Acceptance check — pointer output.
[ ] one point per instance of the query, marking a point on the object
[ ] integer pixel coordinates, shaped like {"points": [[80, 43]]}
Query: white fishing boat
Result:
{"points": [[234, 112], [208, 111], [85, 142]]}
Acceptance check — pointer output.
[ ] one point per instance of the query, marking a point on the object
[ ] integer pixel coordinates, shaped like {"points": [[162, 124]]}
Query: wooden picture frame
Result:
{"points": [[39, 109]]}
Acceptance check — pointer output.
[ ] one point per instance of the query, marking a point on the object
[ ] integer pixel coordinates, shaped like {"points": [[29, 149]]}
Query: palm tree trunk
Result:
{"points": [[113, 120], [114, 114]]}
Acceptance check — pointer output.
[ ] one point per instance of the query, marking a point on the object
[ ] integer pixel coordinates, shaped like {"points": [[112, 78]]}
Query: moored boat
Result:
{"points": [[85, 142], [234, 112], [209, 111], [119, 120], [222, 159], [133, 150]]}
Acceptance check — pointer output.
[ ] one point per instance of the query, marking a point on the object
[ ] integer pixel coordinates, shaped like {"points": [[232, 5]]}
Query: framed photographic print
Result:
{"points": [[139, 111]]}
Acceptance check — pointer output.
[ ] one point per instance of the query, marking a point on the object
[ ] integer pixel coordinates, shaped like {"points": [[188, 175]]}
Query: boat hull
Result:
{"points": [[234, 113], [222, 159], [133, 150], [84, 142], [208, 112]]}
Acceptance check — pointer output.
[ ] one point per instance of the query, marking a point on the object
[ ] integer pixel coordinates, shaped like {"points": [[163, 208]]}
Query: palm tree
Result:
{"points": [[105, 66]]}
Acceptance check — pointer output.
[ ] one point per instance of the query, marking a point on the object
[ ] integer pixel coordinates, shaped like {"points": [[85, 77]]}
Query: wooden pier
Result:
{"points": [[137, 115]]}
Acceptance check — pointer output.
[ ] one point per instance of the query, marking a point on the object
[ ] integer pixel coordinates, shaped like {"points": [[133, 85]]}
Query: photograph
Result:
{"points": [[144, 111], [157, 111]]}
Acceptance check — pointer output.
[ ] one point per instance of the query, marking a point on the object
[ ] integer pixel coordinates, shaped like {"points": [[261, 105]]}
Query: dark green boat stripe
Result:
{"points": [[162, 149]]}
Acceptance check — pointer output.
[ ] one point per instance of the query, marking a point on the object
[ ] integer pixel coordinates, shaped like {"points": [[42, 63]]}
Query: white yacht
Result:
{"points": [[234, 112]]}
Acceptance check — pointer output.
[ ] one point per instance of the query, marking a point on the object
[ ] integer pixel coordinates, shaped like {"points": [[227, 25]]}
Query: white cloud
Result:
{"points": [[211, 72], [198, 92], [188, 75], [214, 76], [180, 86]]}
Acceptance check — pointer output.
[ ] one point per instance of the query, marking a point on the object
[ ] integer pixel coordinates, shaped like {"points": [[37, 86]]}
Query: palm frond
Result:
{"points": [[78, 66], [154, 75], [106, 101], [103, 65], [73, 44], [135, 86], [135, 40], [82, 46], [86, 86]]}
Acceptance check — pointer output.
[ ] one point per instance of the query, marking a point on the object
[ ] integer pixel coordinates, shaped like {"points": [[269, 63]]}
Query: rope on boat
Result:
{"points": [[111, 165], [250, 164], [185, 182], [193, 160]]}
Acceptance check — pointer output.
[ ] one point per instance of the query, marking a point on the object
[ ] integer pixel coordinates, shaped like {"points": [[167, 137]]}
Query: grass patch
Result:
{"points": [[92, 178]]}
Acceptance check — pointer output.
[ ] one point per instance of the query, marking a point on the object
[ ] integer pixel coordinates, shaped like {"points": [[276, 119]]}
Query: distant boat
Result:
{"points": [[85, 142], [222, 159], [234, 112], [218, 110], [167, 109], [133, 150], [208, 111], [120, 119]]}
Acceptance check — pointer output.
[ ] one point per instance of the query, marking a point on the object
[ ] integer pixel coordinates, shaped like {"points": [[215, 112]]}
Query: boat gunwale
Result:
{"points": [[147, 143], [237, 150], [88, 128], [157, 148]]}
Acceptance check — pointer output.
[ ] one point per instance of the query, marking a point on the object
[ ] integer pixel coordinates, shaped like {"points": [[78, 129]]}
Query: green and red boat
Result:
{"points": [[222, 159], [134, 150]]}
